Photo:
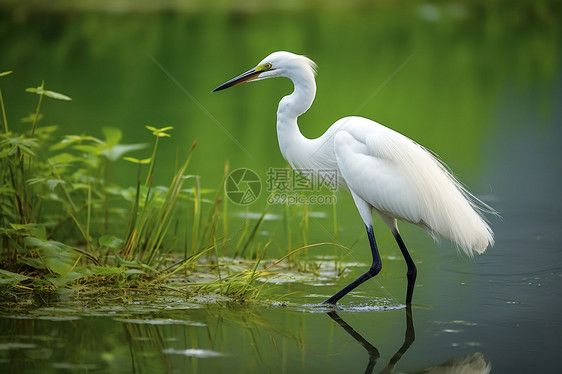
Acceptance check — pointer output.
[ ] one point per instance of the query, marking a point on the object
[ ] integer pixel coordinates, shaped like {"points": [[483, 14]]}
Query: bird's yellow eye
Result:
{"points": [[264, 67]]}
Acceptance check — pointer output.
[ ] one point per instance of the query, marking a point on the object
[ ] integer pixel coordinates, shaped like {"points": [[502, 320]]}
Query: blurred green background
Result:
{"points": [[478, 82], [439, 72]]}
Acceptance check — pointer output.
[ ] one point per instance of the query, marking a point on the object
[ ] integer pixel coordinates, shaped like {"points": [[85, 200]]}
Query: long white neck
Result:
{"points": [[293, 145]]}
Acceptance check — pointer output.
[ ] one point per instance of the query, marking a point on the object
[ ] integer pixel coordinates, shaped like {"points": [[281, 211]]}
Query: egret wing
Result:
{"points": [[403, 180], [365, 157]]}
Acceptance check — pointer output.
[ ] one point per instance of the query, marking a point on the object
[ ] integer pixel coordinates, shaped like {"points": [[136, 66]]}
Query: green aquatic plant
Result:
{"points": [[58, 205], [152, 213], [64, 224]]}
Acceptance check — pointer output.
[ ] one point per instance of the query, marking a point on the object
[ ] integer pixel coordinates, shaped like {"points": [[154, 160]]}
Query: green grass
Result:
{"points": [[65, 225]]}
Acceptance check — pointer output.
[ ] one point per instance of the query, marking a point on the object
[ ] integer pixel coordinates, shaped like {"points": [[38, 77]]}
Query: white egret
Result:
{"points": [[382, 169]]}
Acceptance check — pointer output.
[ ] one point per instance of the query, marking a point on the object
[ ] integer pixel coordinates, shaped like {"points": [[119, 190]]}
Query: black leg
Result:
{"points": [[371, 349], [373, 270], [412, 271], [409, 338]]}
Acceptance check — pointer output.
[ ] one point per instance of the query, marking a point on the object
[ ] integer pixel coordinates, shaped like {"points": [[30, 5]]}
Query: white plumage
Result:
{"points": [[402, 180], [382, 169]]}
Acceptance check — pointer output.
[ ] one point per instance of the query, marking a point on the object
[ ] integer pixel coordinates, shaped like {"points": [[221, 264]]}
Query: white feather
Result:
{"points": [[402, 180], [393, 174], [382, 169]]}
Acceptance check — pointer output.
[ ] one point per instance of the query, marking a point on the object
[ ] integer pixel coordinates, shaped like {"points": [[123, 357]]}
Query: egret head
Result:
{"points": [[277, 64]]}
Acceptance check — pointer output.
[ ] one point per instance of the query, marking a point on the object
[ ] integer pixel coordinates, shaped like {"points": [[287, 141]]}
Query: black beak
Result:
{"points": [[244, 77]]}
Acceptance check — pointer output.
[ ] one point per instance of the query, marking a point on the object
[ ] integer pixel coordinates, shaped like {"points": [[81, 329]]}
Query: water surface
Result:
{"points": [[480, 87]]}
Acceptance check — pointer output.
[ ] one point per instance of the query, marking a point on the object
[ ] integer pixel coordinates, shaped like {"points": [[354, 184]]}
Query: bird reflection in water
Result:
{"points": [[472, 364]]}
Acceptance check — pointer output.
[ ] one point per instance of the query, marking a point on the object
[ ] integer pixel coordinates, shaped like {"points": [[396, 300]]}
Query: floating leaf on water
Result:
{"points": [[456, 322], [288, 277], [60, 318], [160, 321]]}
